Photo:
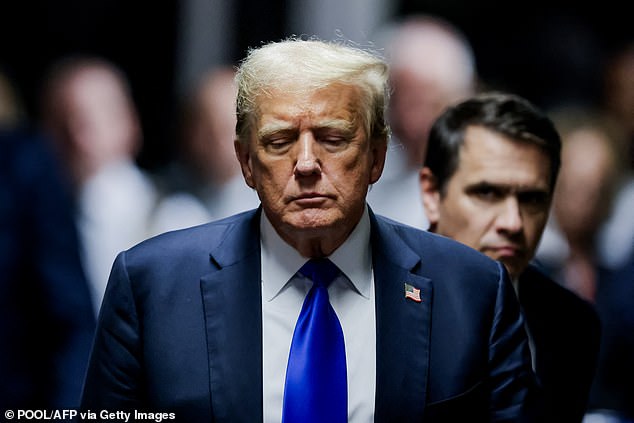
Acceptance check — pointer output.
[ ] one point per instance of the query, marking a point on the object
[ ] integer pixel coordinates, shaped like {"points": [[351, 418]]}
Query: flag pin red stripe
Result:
{"points": [[412, 293]]}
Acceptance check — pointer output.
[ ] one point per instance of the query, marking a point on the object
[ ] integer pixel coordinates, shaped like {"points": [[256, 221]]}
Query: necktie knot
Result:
{"points": [[321, 271]]}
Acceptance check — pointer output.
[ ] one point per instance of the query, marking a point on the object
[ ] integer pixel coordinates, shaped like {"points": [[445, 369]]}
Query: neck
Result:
{"points": [[322, 244]]}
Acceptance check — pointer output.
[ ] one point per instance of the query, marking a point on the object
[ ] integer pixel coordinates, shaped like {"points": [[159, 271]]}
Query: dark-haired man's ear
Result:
{"points": [[430, 195]]}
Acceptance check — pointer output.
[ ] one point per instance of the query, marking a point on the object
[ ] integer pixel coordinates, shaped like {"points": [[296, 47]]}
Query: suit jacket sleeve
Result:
{"points": [[114, 377], [513, 390]]}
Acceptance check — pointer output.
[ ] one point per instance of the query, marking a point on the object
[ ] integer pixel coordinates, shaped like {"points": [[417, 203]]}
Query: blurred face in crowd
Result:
{"points": [[415, 103], [210, 128], [93, 120], [311, 163], [431, 68], [587, 177], [498, 199]]}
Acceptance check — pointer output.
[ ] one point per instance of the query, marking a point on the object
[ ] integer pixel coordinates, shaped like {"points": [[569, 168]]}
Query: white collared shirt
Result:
{"points": [[352, 297]]}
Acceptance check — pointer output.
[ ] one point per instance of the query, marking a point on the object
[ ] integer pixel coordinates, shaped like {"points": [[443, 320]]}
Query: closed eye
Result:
{"points": [[279, 142], [333, 139]]}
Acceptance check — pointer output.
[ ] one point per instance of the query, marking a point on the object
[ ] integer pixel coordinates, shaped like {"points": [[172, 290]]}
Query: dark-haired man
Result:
{"points": [[489, 174]]}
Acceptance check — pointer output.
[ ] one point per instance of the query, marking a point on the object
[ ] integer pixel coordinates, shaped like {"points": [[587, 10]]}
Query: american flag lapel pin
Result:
{"points": [[412, 293]]}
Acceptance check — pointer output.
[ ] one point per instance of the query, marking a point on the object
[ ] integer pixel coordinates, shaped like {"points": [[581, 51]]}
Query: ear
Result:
{"points": [[243, 154], [379, 151], [430, 195]]}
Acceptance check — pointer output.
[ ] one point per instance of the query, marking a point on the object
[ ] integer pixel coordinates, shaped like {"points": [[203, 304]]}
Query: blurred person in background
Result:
{"points": [[612, 394], [11, 111], [619, 105], [588, 248], [618, 93], [488, 181], [46, 314], [585, 232], [205, 183], [89, 114], [431, 66]]}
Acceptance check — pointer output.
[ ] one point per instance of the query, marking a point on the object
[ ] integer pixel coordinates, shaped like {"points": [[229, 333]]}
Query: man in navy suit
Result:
{"points": [[490, 170], [46, 314], [612, 393], [199, 322]]}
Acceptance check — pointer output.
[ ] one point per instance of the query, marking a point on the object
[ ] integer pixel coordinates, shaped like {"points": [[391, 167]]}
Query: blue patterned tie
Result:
{"points": [[316, 387]]}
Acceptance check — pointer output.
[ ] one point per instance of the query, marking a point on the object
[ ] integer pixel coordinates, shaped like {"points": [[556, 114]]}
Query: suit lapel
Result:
{"points": [[233, 316], [403, 329]]}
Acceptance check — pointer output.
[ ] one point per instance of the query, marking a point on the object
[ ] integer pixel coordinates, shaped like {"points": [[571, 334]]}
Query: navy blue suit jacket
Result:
{"points": [[613, 387], [180, 328]]}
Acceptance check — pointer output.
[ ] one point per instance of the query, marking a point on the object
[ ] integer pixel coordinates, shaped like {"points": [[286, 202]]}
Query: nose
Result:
{"points": [[510, 217], [307, 161]]}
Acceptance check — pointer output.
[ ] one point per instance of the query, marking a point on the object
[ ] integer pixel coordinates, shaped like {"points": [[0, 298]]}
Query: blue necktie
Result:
{"points": [[316, 386]]}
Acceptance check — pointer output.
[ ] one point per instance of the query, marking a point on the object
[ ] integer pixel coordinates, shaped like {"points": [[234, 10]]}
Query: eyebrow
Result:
{"points": [[338, 124], [269, 129], [506, 188], [274, 128]]}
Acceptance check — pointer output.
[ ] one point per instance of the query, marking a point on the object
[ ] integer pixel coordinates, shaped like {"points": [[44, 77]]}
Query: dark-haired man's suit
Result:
{"points": [[565, 333]]}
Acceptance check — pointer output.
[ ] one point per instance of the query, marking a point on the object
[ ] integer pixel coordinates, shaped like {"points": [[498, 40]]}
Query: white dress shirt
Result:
{"points": [[352, 297], [115, 206]]}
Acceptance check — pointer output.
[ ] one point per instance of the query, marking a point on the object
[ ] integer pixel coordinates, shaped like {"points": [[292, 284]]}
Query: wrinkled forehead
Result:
{"points": [[333, 106]]}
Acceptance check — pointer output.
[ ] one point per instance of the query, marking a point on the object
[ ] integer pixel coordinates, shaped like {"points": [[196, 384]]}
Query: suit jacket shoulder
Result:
{"points": [[392, 236], [565, 332], [180, 324], [210, 238], [457, 345], [540, 295]]}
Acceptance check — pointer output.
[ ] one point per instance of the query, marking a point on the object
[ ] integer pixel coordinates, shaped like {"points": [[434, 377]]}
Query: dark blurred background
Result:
{"points": [[550, 52]]}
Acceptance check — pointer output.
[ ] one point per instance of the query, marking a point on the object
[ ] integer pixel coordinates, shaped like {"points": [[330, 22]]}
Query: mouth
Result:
{"points": [[311, 199], [505, 251]]}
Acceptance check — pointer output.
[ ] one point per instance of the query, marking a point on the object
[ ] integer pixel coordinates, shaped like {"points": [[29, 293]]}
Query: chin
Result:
{"points": [[313, 219]]}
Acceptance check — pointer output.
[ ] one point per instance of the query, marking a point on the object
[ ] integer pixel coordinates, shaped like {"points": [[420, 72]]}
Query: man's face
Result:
{"points": [[311, 163], [416, 101], [498, 199], [414, 105]]}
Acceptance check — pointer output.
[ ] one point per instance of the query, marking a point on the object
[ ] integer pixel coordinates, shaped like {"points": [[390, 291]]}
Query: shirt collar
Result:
{"points": [[516, 285], [280, 261]]}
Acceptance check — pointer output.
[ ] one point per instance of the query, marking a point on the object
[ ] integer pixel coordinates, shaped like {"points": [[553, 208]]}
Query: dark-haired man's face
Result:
{"points": [[497, 201]]}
